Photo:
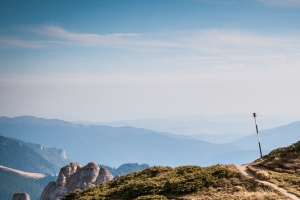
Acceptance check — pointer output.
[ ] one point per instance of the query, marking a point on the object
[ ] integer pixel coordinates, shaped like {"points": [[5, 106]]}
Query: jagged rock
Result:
{"points": [[72, 177], [21, 196]]}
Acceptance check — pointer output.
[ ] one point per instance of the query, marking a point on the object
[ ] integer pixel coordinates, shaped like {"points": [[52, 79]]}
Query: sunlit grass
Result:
{"points": [[185, 182], [281, 167]]}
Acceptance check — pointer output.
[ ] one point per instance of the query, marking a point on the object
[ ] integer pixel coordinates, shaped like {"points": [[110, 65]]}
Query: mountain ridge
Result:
{"points": [[12, 148], [119, 144], [273, 138]]}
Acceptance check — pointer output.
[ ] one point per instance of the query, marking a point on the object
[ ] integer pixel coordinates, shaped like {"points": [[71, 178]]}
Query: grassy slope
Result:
{"points": [[185, 182], [281, 167]]}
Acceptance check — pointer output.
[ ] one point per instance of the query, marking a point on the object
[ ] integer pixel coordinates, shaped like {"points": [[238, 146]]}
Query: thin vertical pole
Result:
{"points": [[254, 115]]}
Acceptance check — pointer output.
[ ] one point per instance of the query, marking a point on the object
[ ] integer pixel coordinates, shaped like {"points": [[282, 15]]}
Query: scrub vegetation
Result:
{"points": [[185, 182], [281, 167]]}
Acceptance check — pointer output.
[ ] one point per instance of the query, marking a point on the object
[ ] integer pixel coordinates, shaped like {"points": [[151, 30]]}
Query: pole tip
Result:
{"points": [[254, 114]]}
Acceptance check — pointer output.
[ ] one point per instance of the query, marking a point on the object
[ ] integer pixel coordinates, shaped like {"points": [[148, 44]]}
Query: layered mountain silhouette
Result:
{"points": [[114, 145], [118, 145], [271, 139]]}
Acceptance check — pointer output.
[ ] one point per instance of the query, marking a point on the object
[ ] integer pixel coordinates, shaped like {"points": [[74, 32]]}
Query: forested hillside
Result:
{"points": [[54, 155], [15, 154], [12, 182]]}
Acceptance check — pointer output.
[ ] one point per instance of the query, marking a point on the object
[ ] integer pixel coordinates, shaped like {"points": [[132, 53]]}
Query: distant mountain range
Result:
{"points": [[234, 124], [114, 146], [271, 139]]}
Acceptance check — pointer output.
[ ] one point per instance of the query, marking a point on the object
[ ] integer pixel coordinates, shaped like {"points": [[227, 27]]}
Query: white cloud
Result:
{"points": [[228, 39], [115, 40], [17, 42], [208, 43], [186, 51]]}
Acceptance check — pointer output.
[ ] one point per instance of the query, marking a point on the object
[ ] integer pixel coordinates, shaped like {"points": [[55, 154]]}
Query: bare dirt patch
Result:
{"points": [[27, 174]]}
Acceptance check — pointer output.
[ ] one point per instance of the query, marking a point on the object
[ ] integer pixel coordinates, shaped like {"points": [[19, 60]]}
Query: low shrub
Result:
{"points": [[262, 175]]}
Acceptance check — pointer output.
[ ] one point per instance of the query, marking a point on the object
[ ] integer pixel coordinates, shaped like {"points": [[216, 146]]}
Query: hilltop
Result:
{"points": [[281, 167], [185, 182]]}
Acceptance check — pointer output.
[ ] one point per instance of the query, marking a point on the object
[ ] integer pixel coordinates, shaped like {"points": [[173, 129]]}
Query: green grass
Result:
{"points": [[178, 183]]}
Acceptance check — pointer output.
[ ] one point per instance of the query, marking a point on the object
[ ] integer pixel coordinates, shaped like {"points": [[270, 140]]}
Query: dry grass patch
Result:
{"points": [[288, 181], [281, 167], [185, 182], [260, 173], [236, 193]]}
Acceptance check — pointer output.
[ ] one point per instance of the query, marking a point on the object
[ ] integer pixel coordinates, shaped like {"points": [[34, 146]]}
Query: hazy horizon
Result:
{"points": [[119, 60], [196, 126]]}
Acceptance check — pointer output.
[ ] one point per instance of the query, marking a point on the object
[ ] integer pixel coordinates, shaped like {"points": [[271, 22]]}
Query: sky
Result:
{"points": [[109, 60]]}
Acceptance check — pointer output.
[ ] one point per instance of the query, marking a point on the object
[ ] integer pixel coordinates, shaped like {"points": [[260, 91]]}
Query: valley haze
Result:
{"points": [[114, 146], [107, 61]]}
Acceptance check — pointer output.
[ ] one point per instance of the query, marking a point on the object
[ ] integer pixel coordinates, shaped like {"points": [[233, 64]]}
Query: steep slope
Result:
{"points": [[15, 154], [12, 182], [281, 167], [54, 155], [185, 182], [245, 171], [114, 146]]}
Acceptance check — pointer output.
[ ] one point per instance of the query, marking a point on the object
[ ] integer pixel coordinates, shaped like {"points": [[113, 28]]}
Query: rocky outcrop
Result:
{"points": [[72, 177], [21, 196]]}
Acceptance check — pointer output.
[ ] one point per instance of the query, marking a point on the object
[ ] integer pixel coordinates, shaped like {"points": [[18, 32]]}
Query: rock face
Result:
{"points": [[72, 177], [21, 196]]}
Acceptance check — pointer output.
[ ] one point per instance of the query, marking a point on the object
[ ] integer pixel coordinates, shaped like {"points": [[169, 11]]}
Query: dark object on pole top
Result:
{"points": [[254, 115]]}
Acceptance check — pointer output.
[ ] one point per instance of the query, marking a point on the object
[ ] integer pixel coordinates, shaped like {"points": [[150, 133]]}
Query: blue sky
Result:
{"points": [[109, 60]]}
